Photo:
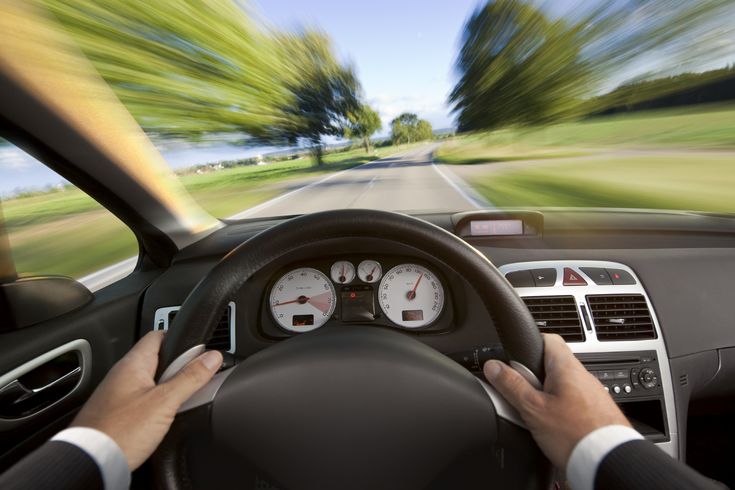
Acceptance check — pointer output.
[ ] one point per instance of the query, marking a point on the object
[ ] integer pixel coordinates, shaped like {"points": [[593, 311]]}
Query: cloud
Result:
{"points": [[15, 159]]}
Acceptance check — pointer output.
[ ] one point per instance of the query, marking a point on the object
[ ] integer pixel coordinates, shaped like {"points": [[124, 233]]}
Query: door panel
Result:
{"points": [[108, 324]]}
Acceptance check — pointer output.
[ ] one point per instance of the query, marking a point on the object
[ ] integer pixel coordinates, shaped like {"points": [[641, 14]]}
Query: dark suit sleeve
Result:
{"points": [[55, 465], [641, 465]]}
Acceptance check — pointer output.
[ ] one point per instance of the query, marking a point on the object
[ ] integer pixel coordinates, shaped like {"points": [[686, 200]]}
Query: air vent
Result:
{"points": [[224, 332], [621, 317], [556, 314]]}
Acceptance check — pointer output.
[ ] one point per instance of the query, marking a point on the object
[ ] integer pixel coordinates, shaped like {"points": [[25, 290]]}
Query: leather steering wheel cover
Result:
{"points": [[199, 313]]}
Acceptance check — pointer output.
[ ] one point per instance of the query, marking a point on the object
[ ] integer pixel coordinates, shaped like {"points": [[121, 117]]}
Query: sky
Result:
{"points": [[403, 50]]}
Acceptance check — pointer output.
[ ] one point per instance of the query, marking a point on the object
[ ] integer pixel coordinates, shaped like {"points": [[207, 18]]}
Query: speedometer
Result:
{"points": [[411, 296], [302, 300]]}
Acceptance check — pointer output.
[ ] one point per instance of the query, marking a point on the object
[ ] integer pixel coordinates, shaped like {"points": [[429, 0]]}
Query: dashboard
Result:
{"points": [[643, 299]]}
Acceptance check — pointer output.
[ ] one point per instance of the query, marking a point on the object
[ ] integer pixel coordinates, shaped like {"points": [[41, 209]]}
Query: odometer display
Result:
{"points": [[411, 296], [302, 300]]}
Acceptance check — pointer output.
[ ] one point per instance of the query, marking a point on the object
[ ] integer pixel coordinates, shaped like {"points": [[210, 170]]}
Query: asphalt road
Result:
{"points": [[408, 182]]}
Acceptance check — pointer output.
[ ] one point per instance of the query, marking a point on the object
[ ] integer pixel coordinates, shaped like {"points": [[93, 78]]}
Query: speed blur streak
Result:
{"points": [[525, 63], [39, 56]]}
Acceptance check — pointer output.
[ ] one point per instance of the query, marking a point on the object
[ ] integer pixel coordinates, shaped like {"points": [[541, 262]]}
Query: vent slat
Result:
{"points": [[621, 317], [556, 314]]}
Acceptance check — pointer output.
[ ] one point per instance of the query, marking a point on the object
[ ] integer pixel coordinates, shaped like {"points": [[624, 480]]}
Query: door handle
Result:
{"points": [[41, 385]]}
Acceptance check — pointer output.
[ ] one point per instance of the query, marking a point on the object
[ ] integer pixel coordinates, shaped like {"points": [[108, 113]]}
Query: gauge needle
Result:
{"points": [[320, 301], [412, 293], [300, 299]]}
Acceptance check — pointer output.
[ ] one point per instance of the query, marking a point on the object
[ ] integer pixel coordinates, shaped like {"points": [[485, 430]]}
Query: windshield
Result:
{"points": [[284, 107]]}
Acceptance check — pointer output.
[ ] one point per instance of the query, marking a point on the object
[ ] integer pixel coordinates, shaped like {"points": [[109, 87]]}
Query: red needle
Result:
{"points": [[412, 293], [300, 299]]}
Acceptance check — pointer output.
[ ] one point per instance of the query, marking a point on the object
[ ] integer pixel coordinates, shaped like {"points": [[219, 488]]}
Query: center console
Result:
{"points": [[603, 312]]}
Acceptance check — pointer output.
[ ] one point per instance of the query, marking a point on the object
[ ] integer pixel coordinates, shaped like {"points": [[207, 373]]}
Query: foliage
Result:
{"points": [[363, 123], [518, 65], [186, 67], [408, 128], [679, 90], [325, 92]]}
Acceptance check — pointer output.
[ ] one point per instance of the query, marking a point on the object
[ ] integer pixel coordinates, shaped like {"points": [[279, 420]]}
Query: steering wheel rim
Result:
{"points": [[456, 391], [198, 316]]}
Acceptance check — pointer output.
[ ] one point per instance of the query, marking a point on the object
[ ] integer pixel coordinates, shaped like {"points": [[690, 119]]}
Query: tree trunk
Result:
{"points": [[366, 141], [316, 152]]}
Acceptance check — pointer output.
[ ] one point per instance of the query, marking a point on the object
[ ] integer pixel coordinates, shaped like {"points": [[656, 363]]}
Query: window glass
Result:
{"points": [[54, 228]]}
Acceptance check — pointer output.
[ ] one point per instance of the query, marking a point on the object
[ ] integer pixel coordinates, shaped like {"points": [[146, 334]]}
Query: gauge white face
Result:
{"points": [[411, 296], [342, 272], [369, 271], [302, 300]]}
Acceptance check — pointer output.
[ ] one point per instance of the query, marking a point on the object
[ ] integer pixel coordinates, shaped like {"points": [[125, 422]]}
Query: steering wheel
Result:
{"points": [[358, 407]]}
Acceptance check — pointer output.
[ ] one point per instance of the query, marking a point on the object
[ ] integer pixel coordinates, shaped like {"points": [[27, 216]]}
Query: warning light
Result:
{"points": [[353, 295]]}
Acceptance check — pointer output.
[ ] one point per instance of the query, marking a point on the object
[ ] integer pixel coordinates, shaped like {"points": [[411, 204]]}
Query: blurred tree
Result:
{"points": [[518, 66], [182, 67], [363, 123], [408, 128], [325, 92]]}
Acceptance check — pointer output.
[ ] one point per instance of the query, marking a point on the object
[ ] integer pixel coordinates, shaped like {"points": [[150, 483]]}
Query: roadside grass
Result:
{"points": [[681, 182], [702, 127], [66, 232]]}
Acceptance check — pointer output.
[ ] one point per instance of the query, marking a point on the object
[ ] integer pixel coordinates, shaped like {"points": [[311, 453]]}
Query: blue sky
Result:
{"points": [[403, 49]]}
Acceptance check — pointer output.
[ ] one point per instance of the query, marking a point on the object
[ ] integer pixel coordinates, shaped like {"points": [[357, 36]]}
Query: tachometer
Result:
{"points": [[411, 296], [302, 300]]}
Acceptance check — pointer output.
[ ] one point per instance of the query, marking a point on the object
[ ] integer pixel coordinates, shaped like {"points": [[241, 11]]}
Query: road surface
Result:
{"points": [[408, 181]]}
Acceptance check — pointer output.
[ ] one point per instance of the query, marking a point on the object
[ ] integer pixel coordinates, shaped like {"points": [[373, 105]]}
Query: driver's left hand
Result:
{"points": [[132, 409]]}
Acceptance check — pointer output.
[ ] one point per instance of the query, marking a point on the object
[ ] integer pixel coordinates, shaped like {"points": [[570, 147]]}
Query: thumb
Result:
{"points": [[512, 386], [190, 379]]}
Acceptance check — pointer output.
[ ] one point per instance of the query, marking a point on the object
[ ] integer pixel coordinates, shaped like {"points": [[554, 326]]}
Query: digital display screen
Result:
{"points": [[412, 315], [496, 227], [302, 320]]}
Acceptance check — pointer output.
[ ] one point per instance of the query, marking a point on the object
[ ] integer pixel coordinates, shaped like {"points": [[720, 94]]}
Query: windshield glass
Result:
{"points": [[285, 107]]}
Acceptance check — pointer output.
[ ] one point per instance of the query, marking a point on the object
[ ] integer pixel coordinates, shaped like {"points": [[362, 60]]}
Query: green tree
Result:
{"points": [[182, 67], [325, 92], [363, 123], [517, 65], [424, 131], [408, 128]]}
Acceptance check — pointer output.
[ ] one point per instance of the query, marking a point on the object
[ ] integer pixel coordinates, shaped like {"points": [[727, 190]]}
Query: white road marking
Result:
{"points": [[474, 201]]}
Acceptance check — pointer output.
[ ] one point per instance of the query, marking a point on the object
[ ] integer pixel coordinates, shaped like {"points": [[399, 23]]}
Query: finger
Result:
{"points": [[513, 386], [194, 375], [145, 352], [557, 354]]}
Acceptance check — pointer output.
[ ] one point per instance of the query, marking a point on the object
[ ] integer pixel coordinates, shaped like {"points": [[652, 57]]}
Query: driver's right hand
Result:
{"points": [[572, 404]]}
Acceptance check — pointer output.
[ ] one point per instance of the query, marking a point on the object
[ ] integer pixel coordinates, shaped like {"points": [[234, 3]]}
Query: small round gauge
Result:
{"points": [[411, 296], [369, 271], [342, 272], [302, 300]]}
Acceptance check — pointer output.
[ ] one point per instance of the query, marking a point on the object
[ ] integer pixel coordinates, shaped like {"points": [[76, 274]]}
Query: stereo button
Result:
{"points": [[627, 388], [616, 389]]}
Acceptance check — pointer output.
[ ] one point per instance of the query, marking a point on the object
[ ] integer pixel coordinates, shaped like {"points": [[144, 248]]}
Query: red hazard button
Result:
{"points": [[573, 278]]}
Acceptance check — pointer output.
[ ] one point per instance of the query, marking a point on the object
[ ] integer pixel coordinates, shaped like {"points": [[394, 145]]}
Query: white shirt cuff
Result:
{"points": [[591, 450], [104, 451]]}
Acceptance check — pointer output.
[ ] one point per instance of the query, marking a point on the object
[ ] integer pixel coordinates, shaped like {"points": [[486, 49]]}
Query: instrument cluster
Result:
{"points": [[390, 291]]}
